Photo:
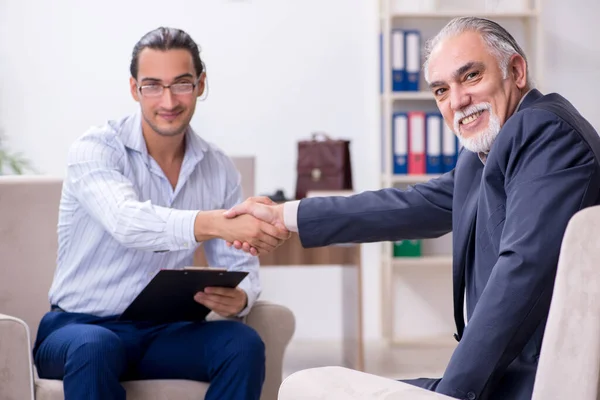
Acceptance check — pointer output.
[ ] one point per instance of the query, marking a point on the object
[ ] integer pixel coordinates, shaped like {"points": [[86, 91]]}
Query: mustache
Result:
{"points": [[459, 115]]}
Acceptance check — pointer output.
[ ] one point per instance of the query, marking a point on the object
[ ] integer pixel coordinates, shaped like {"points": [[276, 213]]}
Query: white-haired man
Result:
{"points": [[530, 161]]}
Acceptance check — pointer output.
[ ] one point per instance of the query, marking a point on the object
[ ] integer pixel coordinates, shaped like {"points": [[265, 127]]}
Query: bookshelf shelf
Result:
{"points": [[423, 261], [453, 14], [401, 96]]}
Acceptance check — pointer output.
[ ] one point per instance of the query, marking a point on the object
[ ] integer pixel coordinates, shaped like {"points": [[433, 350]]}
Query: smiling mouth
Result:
{"points": [[170, 115], [471, 118]]}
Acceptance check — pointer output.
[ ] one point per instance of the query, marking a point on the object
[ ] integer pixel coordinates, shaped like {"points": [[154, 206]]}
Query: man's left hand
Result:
{"points": [[226, 302]]}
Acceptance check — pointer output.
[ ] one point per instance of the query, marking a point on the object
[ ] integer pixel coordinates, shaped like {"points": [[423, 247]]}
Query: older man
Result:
{"points": [[530, 161]]}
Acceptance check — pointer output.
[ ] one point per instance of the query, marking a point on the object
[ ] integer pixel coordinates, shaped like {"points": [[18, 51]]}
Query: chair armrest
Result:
{"points": [[16, 371], [338, 383], [275, 324]]}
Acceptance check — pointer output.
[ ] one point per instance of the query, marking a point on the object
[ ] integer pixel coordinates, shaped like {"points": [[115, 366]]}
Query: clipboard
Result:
{"points": [[169, 297]]}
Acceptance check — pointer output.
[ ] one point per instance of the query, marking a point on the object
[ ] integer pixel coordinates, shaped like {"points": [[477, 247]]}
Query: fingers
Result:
{"points": [[275, 231], [223, 301], [215, 303], [246, 247], [263, 200], [260, 237], [249, 207], [222, 291], [240, 209]]}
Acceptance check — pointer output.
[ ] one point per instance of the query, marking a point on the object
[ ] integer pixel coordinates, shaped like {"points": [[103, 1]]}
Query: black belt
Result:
{"points": [[56, 308]]}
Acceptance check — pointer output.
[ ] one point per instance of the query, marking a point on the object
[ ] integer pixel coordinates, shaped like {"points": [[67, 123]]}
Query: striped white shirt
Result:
{"points": [[121, 221]]}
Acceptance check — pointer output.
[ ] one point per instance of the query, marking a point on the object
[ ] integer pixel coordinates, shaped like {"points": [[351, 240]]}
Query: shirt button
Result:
{"points": [[186, 245], [471, 396]]}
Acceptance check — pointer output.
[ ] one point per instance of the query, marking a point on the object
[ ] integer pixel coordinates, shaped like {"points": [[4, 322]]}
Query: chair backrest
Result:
{"points": [[28, 245], [246, 166], [569, 365], [29, 242]]}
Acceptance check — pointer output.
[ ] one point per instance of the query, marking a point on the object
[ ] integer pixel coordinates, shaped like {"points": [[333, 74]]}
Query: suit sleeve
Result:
{"points": [[421, 211], [550, 174]]}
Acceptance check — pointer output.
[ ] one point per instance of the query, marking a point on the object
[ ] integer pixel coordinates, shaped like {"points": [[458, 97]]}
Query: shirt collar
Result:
{"points": [[482, 155], [523, 98]]}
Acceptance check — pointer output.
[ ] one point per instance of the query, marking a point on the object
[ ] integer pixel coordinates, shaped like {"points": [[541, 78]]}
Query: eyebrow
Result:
{"points": [[460, 71], [186, 75]]}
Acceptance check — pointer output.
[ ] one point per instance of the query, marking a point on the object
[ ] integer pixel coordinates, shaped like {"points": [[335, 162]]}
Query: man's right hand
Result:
{"points": [[262, 208], [261, 235]]}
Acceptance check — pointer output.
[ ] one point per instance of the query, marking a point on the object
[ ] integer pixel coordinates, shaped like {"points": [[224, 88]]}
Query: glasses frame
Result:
{"points": [[163, 87]]}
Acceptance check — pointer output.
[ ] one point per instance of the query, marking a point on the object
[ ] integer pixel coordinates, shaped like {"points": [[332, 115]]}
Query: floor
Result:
{"points": [[426, 360]]}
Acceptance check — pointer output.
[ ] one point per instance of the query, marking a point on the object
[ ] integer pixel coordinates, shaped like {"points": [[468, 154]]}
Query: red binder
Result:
{"points": [[416, 143]]}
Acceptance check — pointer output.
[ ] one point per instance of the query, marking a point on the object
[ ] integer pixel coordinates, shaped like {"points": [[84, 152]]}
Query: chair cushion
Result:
{"points": [[160, 389]]}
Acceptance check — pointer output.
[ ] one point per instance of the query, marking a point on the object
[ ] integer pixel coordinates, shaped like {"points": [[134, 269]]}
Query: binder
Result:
{"points": [[449, 149], [413, 59], [416, 143], [407, 248], [400, 143], [434, 143], [398, 60]]}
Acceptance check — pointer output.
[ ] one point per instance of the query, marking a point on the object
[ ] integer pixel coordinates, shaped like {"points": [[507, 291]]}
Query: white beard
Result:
{"points": [[480, 142]]}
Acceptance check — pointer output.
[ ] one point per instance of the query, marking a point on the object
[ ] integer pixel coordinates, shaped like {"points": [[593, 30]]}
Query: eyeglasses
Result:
{"points": [[156, 89]]}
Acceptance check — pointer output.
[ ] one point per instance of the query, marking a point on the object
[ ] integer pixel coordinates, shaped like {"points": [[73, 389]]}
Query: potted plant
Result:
{"points": [[12, 163]]}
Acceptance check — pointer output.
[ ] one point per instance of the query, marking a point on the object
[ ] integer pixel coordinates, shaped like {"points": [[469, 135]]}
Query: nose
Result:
{"points": [[459, 98], [168, 100]]}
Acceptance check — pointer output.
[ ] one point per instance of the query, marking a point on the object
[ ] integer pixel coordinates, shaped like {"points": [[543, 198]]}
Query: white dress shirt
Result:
{"points": [[121, 221]]}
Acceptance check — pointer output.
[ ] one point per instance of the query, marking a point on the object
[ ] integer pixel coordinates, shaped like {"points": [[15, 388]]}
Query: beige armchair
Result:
{"points": [[569, 365], [28, 245]]}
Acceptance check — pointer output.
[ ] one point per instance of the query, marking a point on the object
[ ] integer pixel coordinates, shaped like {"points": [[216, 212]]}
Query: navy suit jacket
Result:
{"points": [[508, 217]]}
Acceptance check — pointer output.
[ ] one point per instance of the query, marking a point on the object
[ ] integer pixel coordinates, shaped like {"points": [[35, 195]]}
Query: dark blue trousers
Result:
{"points": [[92, 355]]}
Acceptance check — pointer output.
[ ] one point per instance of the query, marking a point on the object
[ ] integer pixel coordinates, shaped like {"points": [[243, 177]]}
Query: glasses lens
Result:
{"points": [[151, 90], [182, 88]]}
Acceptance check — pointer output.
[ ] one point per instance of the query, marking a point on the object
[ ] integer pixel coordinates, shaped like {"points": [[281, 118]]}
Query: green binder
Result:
{"points": [[407, 248]]}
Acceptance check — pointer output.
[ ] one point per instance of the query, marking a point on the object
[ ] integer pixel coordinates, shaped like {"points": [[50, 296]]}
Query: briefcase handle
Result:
{"points": [[323, 135]]}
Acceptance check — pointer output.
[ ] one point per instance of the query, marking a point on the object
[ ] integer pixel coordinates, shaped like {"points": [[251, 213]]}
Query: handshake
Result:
{"points": [[255, 226]]}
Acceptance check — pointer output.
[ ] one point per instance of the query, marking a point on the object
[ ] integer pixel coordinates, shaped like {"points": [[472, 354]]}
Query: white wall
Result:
{"points": [[277, 70], [572, 53]]}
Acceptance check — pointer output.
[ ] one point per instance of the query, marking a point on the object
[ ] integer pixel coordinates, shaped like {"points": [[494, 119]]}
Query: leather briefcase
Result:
{"points": [[323, 164]]}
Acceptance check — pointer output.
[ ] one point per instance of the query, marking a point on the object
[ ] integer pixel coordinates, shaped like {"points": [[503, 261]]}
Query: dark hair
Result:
{"points": [[166, 39]]}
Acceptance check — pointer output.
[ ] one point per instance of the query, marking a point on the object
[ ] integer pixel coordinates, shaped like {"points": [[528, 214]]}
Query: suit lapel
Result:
{"points": [[463, 236]]}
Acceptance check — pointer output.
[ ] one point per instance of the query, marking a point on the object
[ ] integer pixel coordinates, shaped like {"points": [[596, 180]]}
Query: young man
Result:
{"points": [[530, 162], [139, 195]]}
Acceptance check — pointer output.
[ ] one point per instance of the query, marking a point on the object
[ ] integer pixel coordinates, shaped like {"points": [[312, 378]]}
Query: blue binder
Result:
{"points": [[449, 149], [400, 143], [433, 132], [398, 55], [412, 40]]}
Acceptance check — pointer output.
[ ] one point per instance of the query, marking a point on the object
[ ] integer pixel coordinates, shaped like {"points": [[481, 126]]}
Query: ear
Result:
{"points": [[134, 89], [201, 84], [517, 68]]}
